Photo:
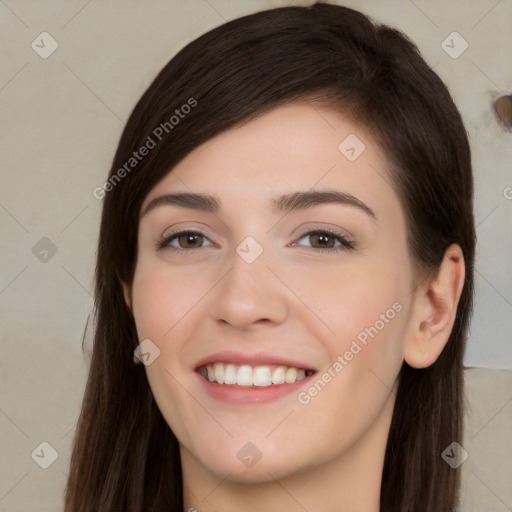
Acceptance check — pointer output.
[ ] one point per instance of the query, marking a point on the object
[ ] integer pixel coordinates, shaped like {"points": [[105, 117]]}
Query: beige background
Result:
{"points": [[61, 119]]}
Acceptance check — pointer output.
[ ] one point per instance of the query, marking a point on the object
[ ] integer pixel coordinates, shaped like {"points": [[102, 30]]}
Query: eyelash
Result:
{"points": [[346, 244]]}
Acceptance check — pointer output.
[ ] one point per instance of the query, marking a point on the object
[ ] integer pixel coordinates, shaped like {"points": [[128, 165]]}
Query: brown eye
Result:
{"points": [[195, 241], [321, 239], [183, 241]]}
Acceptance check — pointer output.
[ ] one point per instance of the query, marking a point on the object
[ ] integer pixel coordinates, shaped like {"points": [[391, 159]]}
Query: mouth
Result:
{"points": [[237, 377], [248, 376]]}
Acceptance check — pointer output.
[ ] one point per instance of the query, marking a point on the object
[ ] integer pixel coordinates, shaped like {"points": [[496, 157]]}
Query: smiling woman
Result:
{"points": [[306, 231]]}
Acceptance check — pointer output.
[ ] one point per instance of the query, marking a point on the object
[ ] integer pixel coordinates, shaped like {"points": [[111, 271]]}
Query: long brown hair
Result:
{"points": [[125, 457]]}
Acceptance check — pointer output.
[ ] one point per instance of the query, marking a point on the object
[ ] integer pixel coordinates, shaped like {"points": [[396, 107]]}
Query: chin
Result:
{"points": [[245, 463], [260, 473]]}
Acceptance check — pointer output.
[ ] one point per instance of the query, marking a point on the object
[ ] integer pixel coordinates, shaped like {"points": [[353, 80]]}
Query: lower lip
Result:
{"points": [[250, 394]]}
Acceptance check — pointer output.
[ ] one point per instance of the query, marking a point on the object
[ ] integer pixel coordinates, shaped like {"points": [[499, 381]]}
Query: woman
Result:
{"points": [[287, 245]]}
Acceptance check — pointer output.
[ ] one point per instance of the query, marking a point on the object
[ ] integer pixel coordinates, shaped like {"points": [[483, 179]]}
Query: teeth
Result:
{"points": [[230, 374], [291, 375], [246, 375], [262, 376], [278, 375], [218, 373]]}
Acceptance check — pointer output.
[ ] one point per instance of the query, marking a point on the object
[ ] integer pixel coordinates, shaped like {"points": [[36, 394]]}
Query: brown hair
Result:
{"points": [[125, 456]]}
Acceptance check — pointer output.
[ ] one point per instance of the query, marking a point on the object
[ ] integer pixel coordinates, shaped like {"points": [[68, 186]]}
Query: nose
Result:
{"points": [[249, 294]]}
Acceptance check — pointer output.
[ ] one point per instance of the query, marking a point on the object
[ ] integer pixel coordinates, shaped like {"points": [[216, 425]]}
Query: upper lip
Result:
{"points": [[252, 359]]}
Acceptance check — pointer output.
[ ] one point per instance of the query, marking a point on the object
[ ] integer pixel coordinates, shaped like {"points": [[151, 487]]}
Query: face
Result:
{"points": [[299, 307]]}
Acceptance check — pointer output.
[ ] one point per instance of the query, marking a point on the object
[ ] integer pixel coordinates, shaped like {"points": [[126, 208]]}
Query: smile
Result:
{"points": [[252, 376]]}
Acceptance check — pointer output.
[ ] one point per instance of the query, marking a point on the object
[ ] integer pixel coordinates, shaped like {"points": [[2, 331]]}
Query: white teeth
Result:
{"points": [[218, 373], [230, 374], [262, 376], [278, 375], [246, 375], [291, 375]]}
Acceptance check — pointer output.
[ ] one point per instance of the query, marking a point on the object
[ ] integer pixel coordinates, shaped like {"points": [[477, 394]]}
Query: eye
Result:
{"points": [[325, 240], [187, 240]]}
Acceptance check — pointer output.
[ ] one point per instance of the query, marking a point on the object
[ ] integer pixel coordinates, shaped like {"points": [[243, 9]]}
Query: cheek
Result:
{"points": [[360, 317], [163, 296], [163, 307], [340, 302], [365, 356]]}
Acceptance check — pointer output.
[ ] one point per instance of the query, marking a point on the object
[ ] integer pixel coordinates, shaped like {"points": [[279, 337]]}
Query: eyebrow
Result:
{"points": [[286, 203]]}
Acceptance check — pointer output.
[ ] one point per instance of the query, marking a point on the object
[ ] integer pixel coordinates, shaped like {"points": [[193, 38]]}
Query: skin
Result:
{"points": [[297, 301]]}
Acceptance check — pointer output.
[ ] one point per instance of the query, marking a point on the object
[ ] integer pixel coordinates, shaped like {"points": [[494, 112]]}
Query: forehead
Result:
{"points": [[293, 147]]}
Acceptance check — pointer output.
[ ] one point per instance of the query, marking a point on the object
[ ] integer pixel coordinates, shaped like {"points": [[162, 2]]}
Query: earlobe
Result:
{"points": [[435, 310], [127, 294]]}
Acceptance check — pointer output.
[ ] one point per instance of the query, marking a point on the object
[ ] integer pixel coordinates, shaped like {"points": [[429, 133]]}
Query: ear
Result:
{"points": [[434, 311], [127, 294]]}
